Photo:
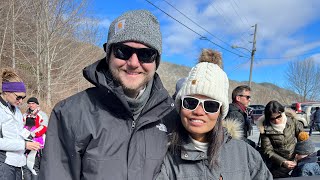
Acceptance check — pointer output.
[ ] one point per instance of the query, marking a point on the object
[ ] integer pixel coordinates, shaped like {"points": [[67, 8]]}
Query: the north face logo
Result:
{"points": [[162, 127]]}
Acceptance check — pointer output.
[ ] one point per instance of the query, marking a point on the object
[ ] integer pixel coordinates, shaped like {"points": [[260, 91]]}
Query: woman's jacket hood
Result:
{"points": [[288, 113]]}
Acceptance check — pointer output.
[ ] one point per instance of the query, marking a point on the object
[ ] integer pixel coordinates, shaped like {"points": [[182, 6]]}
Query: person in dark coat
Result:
{"points": [[315, 121], [306, 157], [279, 129], [205, 145], [118, 128], [238, 110]]}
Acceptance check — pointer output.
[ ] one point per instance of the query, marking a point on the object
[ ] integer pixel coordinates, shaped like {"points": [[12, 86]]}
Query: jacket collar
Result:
{"points": [[189, 152]]}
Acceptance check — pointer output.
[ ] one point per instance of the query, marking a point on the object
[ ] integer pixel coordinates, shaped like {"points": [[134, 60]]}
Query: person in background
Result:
{"points": [[315, 121], [178, 86], [238, 110], [36, 122], [12, 138], [306, 157], [118, 128], [201, 147], [279, 129]]}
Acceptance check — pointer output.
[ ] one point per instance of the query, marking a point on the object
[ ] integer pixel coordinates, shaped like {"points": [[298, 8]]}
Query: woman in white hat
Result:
{"points": [[201, 147]]}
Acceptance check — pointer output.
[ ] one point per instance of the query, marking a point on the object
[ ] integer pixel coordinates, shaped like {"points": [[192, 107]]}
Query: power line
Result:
{"points": [[229, 45], [201, 36], [243, 16], [226, 20]]}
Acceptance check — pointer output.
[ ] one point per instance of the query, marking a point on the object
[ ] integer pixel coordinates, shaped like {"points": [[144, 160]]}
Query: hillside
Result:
{"points": [[262, 93]]}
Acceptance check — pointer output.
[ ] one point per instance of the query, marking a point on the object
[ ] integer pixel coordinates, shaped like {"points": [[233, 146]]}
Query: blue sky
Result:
{"points": [[288, 30]]}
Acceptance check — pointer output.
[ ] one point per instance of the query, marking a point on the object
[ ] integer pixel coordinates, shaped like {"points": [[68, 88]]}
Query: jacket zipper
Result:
{"points": [[133, 125]]}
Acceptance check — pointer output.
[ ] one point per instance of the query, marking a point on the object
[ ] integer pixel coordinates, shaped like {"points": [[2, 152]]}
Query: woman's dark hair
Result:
{"points": [[272, 107], [214, 137]]}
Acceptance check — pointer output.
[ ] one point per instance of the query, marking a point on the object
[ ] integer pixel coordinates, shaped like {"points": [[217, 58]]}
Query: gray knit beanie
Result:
{"points": [[139, 26]]}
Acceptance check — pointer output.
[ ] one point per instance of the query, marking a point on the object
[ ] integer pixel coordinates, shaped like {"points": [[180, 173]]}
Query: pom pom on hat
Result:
{"points": [[304, 145], [207, 78], [137, 26]]}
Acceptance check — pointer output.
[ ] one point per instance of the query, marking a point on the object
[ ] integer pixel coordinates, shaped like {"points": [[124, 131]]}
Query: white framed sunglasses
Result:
{"points": [[209, 105]]}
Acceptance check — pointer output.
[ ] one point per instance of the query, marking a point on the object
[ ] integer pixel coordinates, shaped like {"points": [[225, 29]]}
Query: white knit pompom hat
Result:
{"points": [[206, 79]]}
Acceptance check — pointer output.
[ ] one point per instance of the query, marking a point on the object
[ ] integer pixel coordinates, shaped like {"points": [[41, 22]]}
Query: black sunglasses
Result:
{"points": [[274, 118], [124, 52], [209, 105], [248, 97], [19, 97]]}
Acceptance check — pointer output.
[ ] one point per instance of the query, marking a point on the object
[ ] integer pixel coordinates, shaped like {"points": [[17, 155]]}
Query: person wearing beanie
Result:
{"points": [[118, 128], [178, 86], [35, 123], [279, 129], [204, 144], [306, 157], [12, 142]]}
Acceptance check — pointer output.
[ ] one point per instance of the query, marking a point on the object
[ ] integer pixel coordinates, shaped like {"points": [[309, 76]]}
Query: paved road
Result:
{"points": [[315, 137]]}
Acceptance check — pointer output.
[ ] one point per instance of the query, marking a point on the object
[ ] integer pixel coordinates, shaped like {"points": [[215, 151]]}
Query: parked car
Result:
{"points": [[306, 112], [257, 106], [299, 106], [256, 113]]}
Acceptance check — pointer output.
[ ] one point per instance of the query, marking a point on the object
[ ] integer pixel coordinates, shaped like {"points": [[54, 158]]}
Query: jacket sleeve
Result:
{"points": [[60, 159], [269, 151], [43, 122], [299, 127], [258, 169], [165, 172]]}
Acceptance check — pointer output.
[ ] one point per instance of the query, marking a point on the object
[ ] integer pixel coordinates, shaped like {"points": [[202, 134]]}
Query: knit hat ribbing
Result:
{"points": [[138, 26], [206, 79]]}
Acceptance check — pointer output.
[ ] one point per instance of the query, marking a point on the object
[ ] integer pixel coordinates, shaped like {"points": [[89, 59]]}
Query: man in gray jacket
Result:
{"points": [[117, 129]]}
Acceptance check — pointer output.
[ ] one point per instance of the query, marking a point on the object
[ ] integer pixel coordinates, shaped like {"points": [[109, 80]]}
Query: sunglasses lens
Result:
{"points": [[211, 106], [147, 55], [122, 52], [190, 103]]}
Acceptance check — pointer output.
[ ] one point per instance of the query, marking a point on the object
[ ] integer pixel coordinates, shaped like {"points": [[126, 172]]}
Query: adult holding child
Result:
{"points": [[12, 143], [201, 147]]}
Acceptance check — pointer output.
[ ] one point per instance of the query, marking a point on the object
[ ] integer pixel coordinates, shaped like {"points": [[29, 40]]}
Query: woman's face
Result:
{"points": [[198, 122], [276, 118], [15, 98]]}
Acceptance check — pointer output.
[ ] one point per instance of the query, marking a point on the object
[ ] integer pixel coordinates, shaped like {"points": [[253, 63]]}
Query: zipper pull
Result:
{"points": [[133, 125]]}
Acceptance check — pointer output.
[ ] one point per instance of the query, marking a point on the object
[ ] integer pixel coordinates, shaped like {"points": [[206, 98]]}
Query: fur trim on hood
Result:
{"points": [[288, 113], [234, 128]]}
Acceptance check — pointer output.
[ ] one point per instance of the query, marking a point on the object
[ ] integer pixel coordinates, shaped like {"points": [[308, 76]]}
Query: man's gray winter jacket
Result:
{"points": [[92, 135]]}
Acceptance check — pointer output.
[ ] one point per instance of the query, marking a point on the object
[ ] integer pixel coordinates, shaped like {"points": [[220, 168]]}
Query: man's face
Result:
{"points": [[132, 74], [32, 106], [244, 98]]}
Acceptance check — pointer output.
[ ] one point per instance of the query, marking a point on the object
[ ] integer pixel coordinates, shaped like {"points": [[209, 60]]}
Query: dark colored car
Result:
{"points": [[255, 114], [257, 106]]}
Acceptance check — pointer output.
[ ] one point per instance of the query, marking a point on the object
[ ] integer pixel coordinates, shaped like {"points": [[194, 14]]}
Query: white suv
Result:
{"points": [[307, 110]]}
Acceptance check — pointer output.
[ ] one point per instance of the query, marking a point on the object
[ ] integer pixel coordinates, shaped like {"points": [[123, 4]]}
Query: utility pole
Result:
{"points": [[252, 53]]}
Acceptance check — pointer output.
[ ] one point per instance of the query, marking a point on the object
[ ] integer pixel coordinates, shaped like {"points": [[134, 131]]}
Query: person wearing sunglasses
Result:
{"points": [[279, 129], [12, 142], [204, 145], [238, 110], [118, 128]]}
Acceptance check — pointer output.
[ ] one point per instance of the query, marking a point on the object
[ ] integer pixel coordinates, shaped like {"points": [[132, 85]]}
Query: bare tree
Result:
{"points": [[303, 78]]}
